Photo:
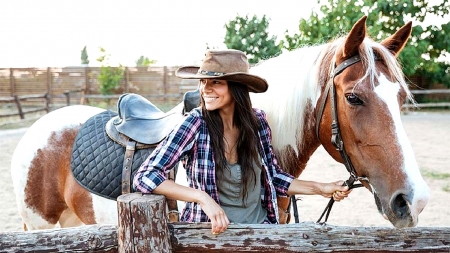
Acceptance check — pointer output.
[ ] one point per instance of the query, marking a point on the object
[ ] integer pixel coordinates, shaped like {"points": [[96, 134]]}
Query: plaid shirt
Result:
{"points": [[191, 142]]}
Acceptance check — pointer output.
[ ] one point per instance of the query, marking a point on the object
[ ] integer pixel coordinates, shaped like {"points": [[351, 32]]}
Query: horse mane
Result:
{"points": [[296, 79]]}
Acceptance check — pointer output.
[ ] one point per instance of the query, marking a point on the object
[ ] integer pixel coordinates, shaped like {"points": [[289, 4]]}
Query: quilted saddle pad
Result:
{"points": [[97, 161]]}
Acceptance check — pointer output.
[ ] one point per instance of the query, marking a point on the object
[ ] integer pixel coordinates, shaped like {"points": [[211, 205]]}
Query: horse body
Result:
{"points": [[369, 96], [45, 189]]}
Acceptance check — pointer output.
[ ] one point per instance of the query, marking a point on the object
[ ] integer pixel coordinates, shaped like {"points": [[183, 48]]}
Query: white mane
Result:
{"points": [[292, 83]]}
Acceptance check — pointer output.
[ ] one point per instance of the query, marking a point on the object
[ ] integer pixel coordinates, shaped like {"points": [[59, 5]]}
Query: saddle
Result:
{"points": [[110, 147]]}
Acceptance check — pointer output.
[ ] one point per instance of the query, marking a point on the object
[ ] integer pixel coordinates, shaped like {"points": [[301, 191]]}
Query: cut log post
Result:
{"points": [[143, 223]]}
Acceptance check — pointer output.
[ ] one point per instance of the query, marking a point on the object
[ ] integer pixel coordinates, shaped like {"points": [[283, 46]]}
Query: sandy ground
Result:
{"points": [[429, 133]]}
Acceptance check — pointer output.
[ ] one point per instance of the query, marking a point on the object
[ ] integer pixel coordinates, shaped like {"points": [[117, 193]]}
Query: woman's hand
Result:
{"points": [[335, 190], [219, 220]]}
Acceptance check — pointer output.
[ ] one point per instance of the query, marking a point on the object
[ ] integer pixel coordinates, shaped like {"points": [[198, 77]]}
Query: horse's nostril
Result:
{"points": [[400, 206]]}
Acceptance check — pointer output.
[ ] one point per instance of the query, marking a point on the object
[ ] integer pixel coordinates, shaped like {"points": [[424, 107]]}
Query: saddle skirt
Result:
{"points": [[97, 161]]}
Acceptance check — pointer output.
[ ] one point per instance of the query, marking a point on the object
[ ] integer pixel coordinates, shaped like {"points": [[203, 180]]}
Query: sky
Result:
{"points": [[52, 33]]}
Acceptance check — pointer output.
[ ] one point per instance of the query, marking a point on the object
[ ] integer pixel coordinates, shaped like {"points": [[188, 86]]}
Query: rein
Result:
{"points": [[336, 138]]}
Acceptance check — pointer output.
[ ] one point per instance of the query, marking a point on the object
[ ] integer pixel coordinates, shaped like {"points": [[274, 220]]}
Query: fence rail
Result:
{"points": [[429, 104], [20, 111], [143, 228]]}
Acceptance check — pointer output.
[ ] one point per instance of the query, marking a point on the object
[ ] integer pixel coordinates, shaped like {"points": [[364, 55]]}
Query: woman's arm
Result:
{"points": [[215, 213], [326, 190]]}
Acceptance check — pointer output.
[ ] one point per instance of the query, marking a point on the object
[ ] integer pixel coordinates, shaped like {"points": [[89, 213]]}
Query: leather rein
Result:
{"points": [[336, 137]]}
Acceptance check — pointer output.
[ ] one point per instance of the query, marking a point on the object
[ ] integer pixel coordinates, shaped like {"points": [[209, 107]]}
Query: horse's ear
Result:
{"points": [[396, 42], [354, 39]]}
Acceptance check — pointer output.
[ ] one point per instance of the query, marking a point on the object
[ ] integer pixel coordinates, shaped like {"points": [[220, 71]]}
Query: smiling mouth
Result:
{"points": [[210, 99]]}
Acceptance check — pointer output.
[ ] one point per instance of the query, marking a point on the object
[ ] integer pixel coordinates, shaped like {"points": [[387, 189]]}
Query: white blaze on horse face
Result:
{"points": [[388, 92]]}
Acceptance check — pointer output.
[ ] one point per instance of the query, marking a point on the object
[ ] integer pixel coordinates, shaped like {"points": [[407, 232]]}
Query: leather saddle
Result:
{"points": [[110, 147]]}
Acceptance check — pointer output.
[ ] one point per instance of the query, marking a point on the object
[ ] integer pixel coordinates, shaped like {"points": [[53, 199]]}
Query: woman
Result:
{"points": [[225, 145]]}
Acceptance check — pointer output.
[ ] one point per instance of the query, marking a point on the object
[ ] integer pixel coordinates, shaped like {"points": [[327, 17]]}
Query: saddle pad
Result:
{"points": [[97, 161]]}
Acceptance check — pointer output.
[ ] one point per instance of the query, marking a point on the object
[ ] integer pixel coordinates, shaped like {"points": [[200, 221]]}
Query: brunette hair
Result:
{"points": [[248, 141]]}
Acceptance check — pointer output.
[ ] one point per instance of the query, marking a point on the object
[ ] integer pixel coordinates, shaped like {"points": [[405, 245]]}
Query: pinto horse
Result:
{"points": [[366, 97]]}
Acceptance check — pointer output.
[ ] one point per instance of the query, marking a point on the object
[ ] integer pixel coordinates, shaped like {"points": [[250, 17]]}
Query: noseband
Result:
{"points": [[336, 138]]}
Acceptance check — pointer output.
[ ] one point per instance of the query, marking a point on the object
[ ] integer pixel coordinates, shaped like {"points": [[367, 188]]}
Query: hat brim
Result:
{"points": [[254, 83]]}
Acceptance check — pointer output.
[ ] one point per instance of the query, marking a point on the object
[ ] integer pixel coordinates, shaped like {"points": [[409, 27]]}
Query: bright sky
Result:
{"points": [[52, 33]]}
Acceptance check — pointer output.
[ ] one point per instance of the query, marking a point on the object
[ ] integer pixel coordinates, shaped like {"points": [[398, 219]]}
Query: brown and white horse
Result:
{"points": [[369, 96]]}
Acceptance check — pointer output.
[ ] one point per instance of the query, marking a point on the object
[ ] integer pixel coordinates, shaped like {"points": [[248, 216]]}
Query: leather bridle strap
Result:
{"points": [[336, 138]]}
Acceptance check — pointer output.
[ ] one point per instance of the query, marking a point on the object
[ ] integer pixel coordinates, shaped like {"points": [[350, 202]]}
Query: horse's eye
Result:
{"points": [[353, 99]]}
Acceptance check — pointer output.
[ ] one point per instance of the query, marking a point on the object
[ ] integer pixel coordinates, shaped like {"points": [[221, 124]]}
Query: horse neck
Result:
{"points": [[290, 103]]}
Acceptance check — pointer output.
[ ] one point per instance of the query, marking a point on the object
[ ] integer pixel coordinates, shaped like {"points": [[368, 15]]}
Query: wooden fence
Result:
{"points": [[143, 227], [44, 89]]}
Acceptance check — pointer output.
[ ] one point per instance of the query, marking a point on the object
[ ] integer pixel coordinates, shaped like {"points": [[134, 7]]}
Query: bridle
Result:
{"points": [[336, 137]]}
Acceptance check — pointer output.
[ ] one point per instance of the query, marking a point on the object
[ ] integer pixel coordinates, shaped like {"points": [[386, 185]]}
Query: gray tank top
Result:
{"points": [[230, 195]]}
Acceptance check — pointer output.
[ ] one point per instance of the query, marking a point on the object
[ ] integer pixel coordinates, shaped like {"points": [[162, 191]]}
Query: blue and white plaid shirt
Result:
{"points": [[190, 141]]}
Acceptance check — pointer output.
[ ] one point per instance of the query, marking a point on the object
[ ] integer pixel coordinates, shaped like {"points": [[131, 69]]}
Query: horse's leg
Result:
{"points": [[284, 214]]}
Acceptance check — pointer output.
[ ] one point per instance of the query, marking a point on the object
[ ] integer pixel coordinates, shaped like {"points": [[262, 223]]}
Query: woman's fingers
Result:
{"points": [[219, 224]]}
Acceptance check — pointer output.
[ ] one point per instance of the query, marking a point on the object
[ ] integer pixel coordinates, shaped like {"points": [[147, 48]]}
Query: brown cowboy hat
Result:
{"points": [[229, 64]]}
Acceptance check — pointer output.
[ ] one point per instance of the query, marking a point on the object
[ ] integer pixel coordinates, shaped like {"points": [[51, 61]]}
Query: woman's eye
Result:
{"points": [[353, 99]]}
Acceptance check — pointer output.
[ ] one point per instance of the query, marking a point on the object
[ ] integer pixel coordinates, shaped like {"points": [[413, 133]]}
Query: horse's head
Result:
{"points": [[369, 96]]}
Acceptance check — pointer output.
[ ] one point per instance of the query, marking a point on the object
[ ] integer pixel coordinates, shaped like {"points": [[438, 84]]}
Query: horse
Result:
{"points": [[351, 85]]}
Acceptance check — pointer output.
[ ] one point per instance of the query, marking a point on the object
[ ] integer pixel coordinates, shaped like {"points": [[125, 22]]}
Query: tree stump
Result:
{"points": [[143, 223]]}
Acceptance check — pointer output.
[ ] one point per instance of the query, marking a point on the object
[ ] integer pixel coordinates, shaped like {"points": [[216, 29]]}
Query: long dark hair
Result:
{"points": [[248, 141]]}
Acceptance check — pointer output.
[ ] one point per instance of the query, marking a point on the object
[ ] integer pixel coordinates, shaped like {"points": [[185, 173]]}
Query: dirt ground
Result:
{"points": [[429, 133]]}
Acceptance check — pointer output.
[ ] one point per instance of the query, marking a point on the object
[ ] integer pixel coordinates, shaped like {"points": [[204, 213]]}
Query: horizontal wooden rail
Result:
{"points": [[93, 238], [16, 99], [143, 228], [408, 105]]}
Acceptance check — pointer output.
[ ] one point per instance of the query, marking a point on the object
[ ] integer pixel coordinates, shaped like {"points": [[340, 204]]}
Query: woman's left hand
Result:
{"points": [[335, 190]]}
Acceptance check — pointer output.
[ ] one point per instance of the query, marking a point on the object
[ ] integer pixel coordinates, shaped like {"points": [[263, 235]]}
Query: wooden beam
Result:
{"points": [[94, 238], [307, 237]]}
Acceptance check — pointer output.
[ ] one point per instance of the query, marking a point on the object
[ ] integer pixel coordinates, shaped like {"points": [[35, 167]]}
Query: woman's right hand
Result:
{"points": [[219, 220]]}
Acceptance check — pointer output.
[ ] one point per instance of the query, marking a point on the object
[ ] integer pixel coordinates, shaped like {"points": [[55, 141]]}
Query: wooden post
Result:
{"points": [[67, 94], [19, 107], [143, 223], [165, 81], [127, 79], [85, 90], [47, 102], [11, 82], [49, 85]]}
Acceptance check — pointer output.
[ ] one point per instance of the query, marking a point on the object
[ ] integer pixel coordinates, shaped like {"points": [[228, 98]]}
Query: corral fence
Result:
{"points": [[143, 227], [48, 88], [28, 90]]}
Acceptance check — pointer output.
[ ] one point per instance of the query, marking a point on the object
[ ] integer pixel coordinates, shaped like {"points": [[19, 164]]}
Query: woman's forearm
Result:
{"points": [[302, 187], [172, 190]]}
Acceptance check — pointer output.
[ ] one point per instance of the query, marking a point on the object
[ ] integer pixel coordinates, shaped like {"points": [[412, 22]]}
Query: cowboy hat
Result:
{"points": [[229, 64]]}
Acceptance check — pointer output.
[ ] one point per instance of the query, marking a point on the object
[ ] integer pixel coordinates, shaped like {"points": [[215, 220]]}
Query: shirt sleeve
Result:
{"points": [[280, 179], [167, 154]]}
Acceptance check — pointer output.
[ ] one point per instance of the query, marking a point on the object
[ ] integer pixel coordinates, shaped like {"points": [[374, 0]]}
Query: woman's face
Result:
{"points": [[216, 94]]}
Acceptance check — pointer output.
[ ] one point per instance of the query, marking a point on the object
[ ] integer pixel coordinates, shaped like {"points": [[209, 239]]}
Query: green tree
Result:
{"points": [[109, 77], [251, 37], [422, 56], [84, 57], [144, 62]]}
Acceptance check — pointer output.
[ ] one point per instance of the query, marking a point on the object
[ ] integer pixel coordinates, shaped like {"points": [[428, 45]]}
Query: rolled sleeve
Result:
{"points": [[166, 156]]}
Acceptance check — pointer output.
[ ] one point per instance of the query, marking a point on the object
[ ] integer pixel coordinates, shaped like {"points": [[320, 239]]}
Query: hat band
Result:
{"points": [[210, 73]]}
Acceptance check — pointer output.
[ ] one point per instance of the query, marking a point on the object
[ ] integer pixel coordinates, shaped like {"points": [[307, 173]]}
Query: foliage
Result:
{"points": [[109, 77], [84, 57], [144, 62], [251, 37], [422, 56]]}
